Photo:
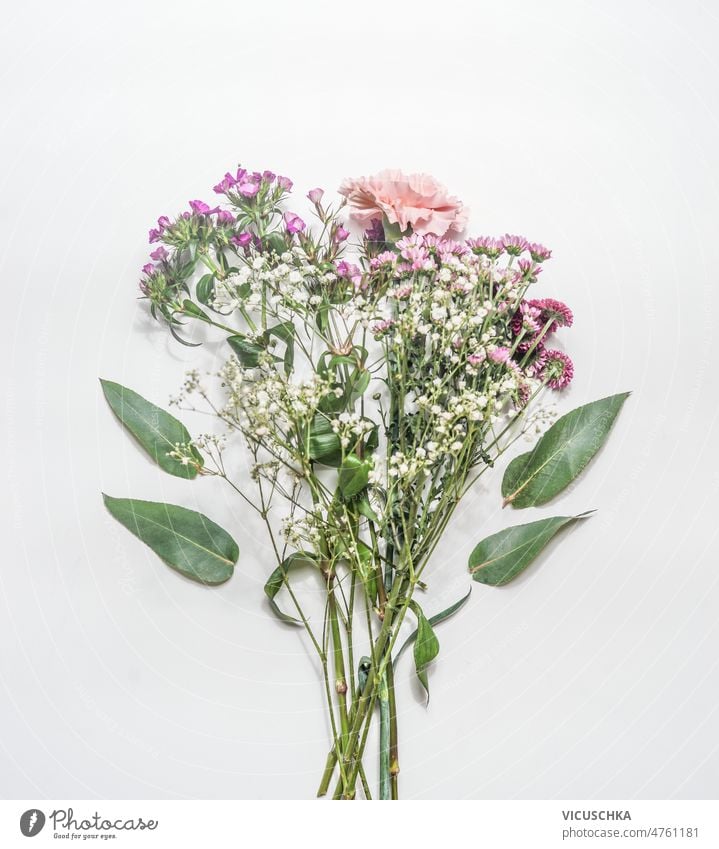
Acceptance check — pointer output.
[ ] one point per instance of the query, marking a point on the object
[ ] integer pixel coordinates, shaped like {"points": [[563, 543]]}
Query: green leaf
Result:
{"points": [[561, 454], [323, 443], [426, 646], [359, 387], [157, 431], [277, 580], [187, 541], [435, 620], [248, 353], [191, 308], [276, 242], [205, 289], [364, 508], [353, 476], [499, 558], [285, 331]]}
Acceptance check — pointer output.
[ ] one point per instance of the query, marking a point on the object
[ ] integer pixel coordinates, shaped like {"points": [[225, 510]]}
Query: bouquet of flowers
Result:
{"points": [[370, 382]]}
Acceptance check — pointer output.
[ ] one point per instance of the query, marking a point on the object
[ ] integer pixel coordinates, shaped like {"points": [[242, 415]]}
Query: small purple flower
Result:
{"points": [[294, 223], [269, 176], [159, 253], [154, 236], [285, 184], [241, 240], [375, 231], [148, 268], [225, 217], [199, 207], [163, 222], [341, 235], [248, 187], [315, 195]]}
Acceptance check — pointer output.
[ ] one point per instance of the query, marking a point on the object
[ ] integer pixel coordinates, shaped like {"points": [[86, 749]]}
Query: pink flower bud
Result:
{"points": [[315, 195]]}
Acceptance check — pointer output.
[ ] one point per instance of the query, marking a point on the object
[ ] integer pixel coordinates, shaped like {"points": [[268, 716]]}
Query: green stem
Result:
{"points": [[384, 757], [393, 738], [339, 665]]}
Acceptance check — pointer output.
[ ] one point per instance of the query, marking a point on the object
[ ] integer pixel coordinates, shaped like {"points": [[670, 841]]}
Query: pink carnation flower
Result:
{"points": [[409, 200]]}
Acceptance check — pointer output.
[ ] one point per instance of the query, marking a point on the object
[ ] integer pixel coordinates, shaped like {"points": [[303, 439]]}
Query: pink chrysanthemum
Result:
{"points": [[538, 252], [527, 318], [412, 248], [500, 355], [486, 246], [386, 258], [514, 245], [558, 312], [382, 327], [444, 247], [537, 359], [558, 370]]}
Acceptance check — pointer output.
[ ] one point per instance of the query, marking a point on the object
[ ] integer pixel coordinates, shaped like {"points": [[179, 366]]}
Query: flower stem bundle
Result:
{"points": [[370, 380]]}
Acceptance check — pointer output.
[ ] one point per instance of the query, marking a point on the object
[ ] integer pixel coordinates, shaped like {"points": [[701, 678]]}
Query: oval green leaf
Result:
{"points": [[499, 558], [187, 541], [157, 431], [561, 454]]}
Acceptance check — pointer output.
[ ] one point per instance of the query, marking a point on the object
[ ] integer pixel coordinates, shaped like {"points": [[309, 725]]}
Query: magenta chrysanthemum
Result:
{"points": [[558, 369], [556, 311]]}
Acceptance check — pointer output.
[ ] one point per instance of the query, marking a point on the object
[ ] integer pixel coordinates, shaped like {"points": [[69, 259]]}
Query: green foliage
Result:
{"points": [[156, 431], [187, 541], [499, 558], [426, 646], [561, 454]]}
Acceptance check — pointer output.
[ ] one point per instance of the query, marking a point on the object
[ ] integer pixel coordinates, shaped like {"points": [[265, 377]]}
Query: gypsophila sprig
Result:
{"points": [[366, 383]]}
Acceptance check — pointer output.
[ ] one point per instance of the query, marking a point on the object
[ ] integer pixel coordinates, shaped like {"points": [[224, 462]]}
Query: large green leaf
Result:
{"points": [[157, 431], [323, 443], [499, 558], [187, 541], [561, 454], [426, 646], [279, 577], [353, 476], [435, 620], [248, 353]]}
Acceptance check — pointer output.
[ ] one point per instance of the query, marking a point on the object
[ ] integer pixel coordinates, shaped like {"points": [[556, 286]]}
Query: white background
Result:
{"points": [[589, 126]]}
